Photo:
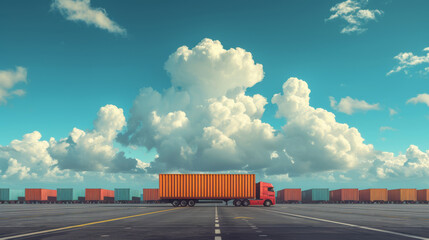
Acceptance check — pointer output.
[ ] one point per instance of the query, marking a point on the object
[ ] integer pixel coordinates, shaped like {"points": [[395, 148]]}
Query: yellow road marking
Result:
{"points": [[84, 225], [243, 217]]}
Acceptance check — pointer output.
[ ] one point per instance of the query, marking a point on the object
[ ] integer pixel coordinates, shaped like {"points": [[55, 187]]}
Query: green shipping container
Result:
{"points": [[65, 194], [7, 194], [122, 194], [69, 194], [315, 195]]}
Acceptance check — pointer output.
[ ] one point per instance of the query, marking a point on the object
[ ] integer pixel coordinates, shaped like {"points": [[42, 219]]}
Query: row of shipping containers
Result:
{"points": [[69, 195], [291, 195]]}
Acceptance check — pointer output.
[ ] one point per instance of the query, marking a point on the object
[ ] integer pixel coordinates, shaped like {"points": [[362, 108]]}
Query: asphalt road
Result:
{"points": [[208, 221]]}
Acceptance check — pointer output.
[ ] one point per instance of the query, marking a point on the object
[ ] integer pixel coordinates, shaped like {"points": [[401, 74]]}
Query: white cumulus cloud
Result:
{"points": [[355, 16], [70, 158], [414, 163], [349, 105], [207, 122], [312, 136], [420, 98], [29, 159], [408, 60], [93, 150], [8, 80], [80, 10]]}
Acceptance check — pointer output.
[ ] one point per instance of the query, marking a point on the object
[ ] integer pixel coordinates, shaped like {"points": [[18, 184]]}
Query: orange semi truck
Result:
{"points": [[187, 189]]}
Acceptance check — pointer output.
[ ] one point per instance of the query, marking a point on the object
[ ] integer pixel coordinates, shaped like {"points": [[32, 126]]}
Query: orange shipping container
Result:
{"points": [[373, 195], [206, 186], [289, 195], [38, 194], [150, 194], [98, 194], [402, 195], [423, 195], [351, 194]]}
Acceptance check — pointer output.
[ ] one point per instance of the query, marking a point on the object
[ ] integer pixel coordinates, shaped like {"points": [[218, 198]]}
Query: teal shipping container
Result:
{"points": [[65, 194], [122, 194], [69, 194], [315, 195], [125, 194], [7, 194]]}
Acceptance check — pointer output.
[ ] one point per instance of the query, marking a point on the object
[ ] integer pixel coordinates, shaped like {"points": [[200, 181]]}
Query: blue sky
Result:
{"points": [[74, 68]]}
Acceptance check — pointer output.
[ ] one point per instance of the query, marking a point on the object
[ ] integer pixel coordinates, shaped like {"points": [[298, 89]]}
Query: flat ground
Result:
{"points": [[148, 221]]}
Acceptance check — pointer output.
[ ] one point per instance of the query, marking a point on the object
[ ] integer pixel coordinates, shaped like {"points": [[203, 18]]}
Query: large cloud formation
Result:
{"points": [[29, 159], [206, 122], [81, 151], [93, 150]]}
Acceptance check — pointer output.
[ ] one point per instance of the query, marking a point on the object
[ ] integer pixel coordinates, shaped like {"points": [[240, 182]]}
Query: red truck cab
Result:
{"points": [[265, 195]]}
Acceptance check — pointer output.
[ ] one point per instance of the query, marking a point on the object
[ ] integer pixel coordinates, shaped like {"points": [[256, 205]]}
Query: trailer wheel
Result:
{"points": [[245, 203], [183, 203], [237, 203], [175, 203], [267, 203], [191, 203]]}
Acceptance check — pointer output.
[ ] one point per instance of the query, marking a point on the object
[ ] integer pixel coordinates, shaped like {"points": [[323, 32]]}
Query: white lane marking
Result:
{"points": [[263, 235], [217, 230], [352, 225]]}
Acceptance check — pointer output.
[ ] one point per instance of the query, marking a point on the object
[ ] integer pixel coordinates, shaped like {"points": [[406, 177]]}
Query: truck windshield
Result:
{"points": [[271, 189]]}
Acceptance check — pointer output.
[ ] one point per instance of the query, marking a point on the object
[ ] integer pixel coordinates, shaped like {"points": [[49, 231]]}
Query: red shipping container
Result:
{"points": [[38, 194], [289, 195], [402, 195], [373, 195], [423, 195], [98, 194], [345, 194], [150, 194]]}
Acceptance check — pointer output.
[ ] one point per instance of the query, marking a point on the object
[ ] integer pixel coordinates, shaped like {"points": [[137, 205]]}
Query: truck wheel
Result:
{"points": [[191, 203], [237, 203], [267, 203], [183, 203], [175, 203], [245, 203]]}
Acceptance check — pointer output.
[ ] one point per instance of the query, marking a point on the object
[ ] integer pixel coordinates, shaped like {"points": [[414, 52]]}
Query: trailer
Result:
{"points": [[188, 189]]}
